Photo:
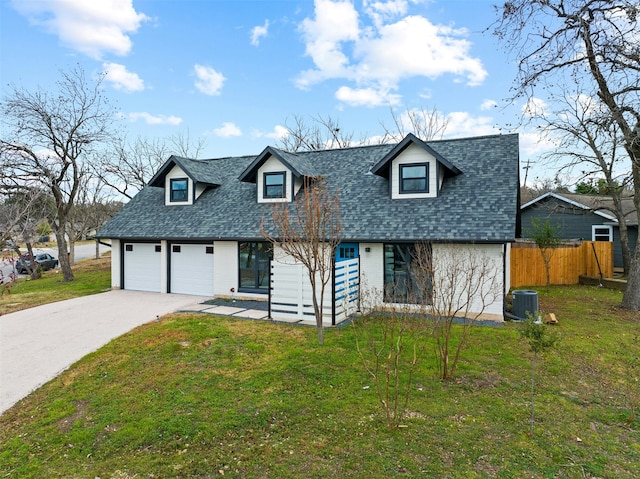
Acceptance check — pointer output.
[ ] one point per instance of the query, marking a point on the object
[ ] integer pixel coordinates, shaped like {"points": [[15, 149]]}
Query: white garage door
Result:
{"points": [[192, 269], [142, 266]]}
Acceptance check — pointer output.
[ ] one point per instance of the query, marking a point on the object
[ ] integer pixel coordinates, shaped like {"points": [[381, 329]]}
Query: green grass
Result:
{"points": [[91, 276], [198, 396]]}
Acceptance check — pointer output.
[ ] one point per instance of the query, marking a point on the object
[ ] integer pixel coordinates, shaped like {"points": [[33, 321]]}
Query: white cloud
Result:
{"points": [[154, 119], [366, 97], [532, 143], [462, 124], [334, 23], [534, 107], [279, 132], [379, 55], [379, 11], [227, 130], [90, 27], [258, 32], [121, 79], [488, 105], [209, 81]]}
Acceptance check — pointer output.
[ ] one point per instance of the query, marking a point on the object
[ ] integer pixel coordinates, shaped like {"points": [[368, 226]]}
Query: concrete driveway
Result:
{"points": [[39, 343]]}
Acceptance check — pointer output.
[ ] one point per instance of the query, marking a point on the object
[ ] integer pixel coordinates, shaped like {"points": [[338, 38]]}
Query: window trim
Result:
{"points": [[401, 189], [607, 227], [283, 185], [173, 190]]}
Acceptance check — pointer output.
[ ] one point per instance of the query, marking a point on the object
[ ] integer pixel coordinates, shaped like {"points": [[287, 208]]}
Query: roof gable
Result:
{"points": [[197, 170], [382, 167], [298, 165], [598, 205]]}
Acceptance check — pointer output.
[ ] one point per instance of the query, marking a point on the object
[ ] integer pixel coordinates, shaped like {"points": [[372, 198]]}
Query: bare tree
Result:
{"points": [[547, 238], [594, 42], [391, 345], [318, 134], [309, 231], [589, 140], [126, 167], [50, 136], [425, 124], [92, 209], [458, 284]]}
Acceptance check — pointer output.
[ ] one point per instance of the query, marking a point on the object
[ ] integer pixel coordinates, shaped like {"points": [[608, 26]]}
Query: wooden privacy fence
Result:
{"points": [[290, 295], [568, 263]]}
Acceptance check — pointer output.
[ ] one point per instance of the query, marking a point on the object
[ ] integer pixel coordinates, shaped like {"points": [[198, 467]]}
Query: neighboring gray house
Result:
{"points": [[584, 217], [195, 229]]}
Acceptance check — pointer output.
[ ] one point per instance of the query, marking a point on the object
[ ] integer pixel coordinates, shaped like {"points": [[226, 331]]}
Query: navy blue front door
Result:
{"points": [[346, 251]]}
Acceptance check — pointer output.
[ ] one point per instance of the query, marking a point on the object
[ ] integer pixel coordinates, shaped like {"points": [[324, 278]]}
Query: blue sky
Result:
{"points": [[234, 72]]}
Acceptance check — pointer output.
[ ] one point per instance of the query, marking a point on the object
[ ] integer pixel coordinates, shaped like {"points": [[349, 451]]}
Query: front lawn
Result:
{"points": [[91, 276], [198, 396]]}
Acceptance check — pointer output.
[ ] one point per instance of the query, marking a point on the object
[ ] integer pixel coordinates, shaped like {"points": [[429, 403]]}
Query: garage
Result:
{"points": [[191, 269], [142, 266]]}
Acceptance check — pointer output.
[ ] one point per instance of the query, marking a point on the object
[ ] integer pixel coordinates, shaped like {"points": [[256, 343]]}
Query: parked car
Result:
{"points": [[44, 260]]}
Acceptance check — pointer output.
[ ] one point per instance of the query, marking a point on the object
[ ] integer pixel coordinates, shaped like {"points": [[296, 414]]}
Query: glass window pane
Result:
{"points": [[402, 284], [414, 178], [179, 190], [414, 171], [254, 265], [274, 185]]}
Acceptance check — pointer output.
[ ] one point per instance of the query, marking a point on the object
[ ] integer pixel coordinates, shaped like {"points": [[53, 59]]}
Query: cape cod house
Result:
{"points": [[195, 228]]}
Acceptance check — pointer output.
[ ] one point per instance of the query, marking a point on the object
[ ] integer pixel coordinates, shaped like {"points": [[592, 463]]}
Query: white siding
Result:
{"points": [[115, 264], [177, 172], [225, 267], [461, 254], [272, 165], [371, 274], [414, 154]]}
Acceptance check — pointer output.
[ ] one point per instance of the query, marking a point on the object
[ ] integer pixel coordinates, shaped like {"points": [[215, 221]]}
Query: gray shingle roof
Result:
{"points": [[602, 205], [199, 171], [478, 205], [299, 165]]}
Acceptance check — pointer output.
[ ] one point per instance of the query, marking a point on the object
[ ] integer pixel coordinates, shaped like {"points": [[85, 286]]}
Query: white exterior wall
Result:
{"points": [[273, 165], [177, 172], [414, 154], [372, 273], [163, 266], [507, 267], [461, 254], [225, 267], [116, 272]]}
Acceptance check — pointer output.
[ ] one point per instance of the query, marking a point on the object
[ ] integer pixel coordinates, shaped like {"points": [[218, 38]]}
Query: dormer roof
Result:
{"points": [[300, 167], [381, 168], [198, 171]]}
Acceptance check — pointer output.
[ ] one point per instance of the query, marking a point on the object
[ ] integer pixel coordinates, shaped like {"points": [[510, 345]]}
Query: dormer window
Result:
{"points": [[414, 178], [275, 185], [179, 190]]}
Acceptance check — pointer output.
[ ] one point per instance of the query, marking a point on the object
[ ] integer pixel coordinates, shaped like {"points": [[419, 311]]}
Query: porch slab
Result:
{"points": [[224, 310], [252, 314], [287, 320]]}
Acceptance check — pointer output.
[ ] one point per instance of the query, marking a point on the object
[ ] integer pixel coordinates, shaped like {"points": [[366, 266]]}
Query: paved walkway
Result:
{"points": [[39, 343]]}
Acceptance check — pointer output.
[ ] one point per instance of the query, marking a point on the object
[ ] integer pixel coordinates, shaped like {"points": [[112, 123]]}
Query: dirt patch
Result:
{"points": [[80, 414]]}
